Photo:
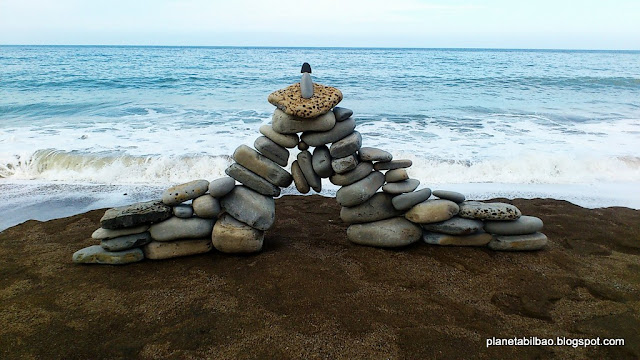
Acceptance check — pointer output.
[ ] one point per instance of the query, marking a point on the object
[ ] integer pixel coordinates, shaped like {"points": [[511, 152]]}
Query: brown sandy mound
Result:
{"points": [[311, 293]]}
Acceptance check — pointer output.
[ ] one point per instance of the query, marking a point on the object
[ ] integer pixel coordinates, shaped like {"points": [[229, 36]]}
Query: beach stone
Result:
{"points": [[290, 100], [126, 242], [298, 178], [360, 191], [522, 226], [455, 226], [379, 207], [183, 210], [135, 214], [431, 211], [344, 164], [321, 162], [306, 86], [456, 197], [183, 192], [535, 241], [104, 234], [288, 124], [97, 255], [251, 208], [396, 175], [488, 211], [206, 206], [342, 114], [285, 140], [305, 161], [232, 236], [302, 146], [221, 187], [394, 232], [346, 146], [338, 132], [156, 250], [478, 239], [360, 172], [272, 151], [252, 181], [374, 154], [392, 165], [261, 166], [409, 200], [176, 228], [401, 187]]}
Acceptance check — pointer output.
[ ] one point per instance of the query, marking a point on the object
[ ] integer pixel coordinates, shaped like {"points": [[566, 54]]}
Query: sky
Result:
{"points": [[546, 24]]}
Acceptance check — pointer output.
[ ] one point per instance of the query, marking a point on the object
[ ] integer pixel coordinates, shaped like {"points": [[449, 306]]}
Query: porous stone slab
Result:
{"points": [[298, 178], [156, 250], [221, 187], [286, 140], [394, 232], [489, 211], [346, 146], [344, 164], [522, 226], [183, 211], [392, 165], [305, 161], [341, 113], [261, 166], [360, 191], [379, 207], [250, 207], [396, 175], [401, 187], [321, 162], [360, 172], [183, 192], [374, 154], [287, 124], [535, 241], [233, 237], [290, 100], [176, 228], [431, 211], [103, 234], [252, 181], [272, 151], [135, 214], [338, 132], [409, 200], [454, 196], [126, 242], [455, 226], [206, 206], [97, 255], [478, 239]]}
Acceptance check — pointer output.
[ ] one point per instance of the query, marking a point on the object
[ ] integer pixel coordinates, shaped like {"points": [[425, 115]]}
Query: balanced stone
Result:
{"points": [[298, 178], [183, 211], [396, 175], [306, 86], [183, 192], [272, 151], [206, 206], [455, 226], [338, 132], [221, 187], [97, 255], [103, 234], [342, 114], [431, 211], [360, 191], [360, 172], [409, 200], [305, 162], [401, 187], [478, 239], [262, 166], [522, 226], [176, 228], [290, 100], [170, 249], [394, 232], [286, 140], [344, 164], [288, 124], [135, 214], [126, 242], [321, 161], [374, 154], [302, 146], [488, 211], [346, 146], [252, 181], [456, 197], [231, 236], [379, 207], [392, 165], [251, 208], [533, 241]]}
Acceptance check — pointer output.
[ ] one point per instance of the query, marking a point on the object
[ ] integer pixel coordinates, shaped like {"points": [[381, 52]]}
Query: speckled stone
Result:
{"points": [[392, 165], [338, 132], [285, 140], [401, 187], [360, 172], [321, 161], [522, 226], [126, 242], [534, 241], [374, 154], [251, 208], [342, 114], [344, 164], [175, 228], [456, 197], [396, 175], [305, 162], [221, 187], [183, 192], [346, 146], [455, 226], [170, 249], [97, 255], [288, 124], [394, 232], [252, 181], [234, 237], [272, 151], [262, 166], [135, 214], [488, 211], [103, 234], [206, 206], [379, 207], [183, 211], [431, 211], [478, 239], [290, 100], [409, 200], [360, 191], [298, 178]]}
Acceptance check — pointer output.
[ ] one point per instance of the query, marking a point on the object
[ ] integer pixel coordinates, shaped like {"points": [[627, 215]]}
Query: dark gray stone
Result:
{"points": [[262, 166], [392, 165], [360, 172], [176, 228], [183, 192], [456, 197], [135, 214], [374, 154], [345, 164], [321, 162], [455, 226], [298, 178], [97, 255], [126, 242], [272, 151], [477, 239], [396, 175], [221, 187], [250, 207], [338, 132], [522, 226], [401, 186], [252, 181], [360, 191], [286, 140], [409, 200], [342, 114], [305, 162], [183, 211], [346, 146], [288, 124], [302, 146], [528, 242], [379, 207], [394, 232]]}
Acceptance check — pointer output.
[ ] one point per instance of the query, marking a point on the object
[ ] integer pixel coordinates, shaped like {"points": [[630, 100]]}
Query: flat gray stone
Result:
{"points": [[401, 187], [221, 187], [360, 172], [272, 151], [252, 181], [180, 193], [286, 140], [206, 206], [379, 207], [251, 208], [135, 214], [321, 161], [97, 255], [341, 113], [396, 175], [126, 242], [522, 226], [409, 200], [338, 132], [183, 211], [344, 164], [488, 211], [392, 165], [176, 228], [234, 237], [456, 197], [305, 161], [287, 124], [103, 234], [374, 154], [156, 250], [534, 241], [394, 232], [262, 166], [298, 178], [302, 146], [431, 211], [455, 226], [346, 146], [478, 239], [360, 191]]}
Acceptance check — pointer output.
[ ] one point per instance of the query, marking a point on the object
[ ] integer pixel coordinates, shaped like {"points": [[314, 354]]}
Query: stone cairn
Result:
{"points": [[233, 218]]}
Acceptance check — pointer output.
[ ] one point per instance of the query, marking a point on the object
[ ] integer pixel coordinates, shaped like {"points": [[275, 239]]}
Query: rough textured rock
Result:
{"points": [[338, 132], [135, 214], [409, 200], [231, 236], [394, 232], [262, 166], [534, 241], [251, 208], [360, 191], [488, 211], [379, 207], [456, 197], [396, 175], [183, 211], [126, 242], [321, 162], [360, 172], [272, 151], [221, 187], [392, 165], [401, 187], [103, 234], [478, 239], [455, 226], [346, 146], [286, 140], [298, 178], [522, 226], [432, 211], [290, 100], [288, 124], [252, 181], [342, 114], [305, 162], [206, 206], [374, 154], [176, 228], [344, 164], [97, 255], [183, 192], [170, 249]]}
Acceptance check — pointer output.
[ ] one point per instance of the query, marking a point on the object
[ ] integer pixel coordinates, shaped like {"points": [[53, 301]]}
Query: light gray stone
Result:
{"points": [[392, 165], [183, 211], [394, 232], [176, 228], [360, 172], [522, 226], [344, 164], [456, 197], [346, 146], [233, 237], [374, 154], [379, 207], [409, 200], [183, 192], [342, 114], [360, 191], [305, 161], [221, 187], [104, 234], [262, 166], [126, 242], [298, 178], [396, 175], [251, 180], [455, 226], [321, 161], [288, 124], [302, 146], [206, 206], [97, 255], [338, 132], [170, 249], [286, 140], [272, 151], [251, 208], [306, 86], [534, 241], [477, 239], [488, 211], [431, 211], [135, 215], [401, 187]]}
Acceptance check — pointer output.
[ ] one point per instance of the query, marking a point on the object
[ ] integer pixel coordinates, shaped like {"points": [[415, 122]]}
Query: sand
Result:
{"points": [[312, 294]]}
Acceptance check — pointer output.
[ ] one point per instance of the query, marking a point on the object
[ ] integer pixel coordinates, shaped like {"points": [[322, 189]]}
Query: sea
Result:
{"points": [[86, 127]]}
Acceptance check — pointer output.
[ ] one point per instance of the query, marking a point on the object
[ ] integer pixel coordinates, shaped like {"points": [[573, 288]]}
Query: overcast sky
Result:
{"points": [[586, 24]]}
